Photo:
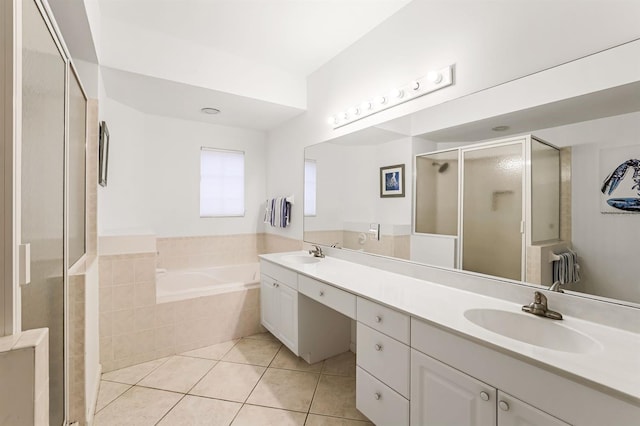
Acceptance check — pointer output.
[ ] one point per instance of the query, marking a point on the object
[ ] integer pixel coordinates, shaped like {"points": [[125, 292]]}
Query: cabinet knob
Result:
{"points": [[377, 395], [484, 396], [378, 347], [503, 406], [378, 318], [321, 293]]}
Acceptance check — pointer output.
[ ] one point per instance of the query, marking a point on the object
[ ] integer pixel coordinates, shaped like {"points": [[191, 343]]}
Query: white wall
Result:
{"points": [[154, 175], [489, 42]]}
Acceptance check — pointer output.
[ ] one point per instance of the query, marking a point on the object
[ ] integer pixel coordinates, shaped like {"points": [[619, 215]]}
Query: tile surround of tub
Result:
{"points": [[208, 251], [134, 329]]}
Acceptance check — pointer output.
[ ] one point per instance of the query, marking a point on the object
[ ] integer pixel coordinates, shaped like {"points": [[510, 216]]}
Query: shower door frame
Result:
{"points": [[525, 221], [12, 202]]}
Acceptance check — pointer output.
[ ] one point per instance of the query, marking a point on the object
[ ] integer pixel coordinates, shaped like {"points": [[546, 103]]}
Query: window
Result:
{"points": [[221, 183], [310, 188]]}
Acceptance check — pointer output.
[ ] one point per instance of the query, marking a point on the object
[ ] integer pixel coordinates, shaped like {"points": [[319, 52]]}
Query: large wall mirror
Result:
{"points": [[455, 193]]}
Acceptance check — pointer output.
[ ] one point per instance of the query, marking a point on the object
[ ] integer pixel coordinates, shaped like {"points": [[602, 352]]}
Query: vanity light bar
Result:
{"points": [[434, 80]]}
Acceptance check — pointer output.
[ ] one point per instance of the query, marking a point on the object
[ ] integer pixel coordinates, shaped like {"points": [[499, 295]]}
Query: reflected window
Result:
{"points": [[221, 183], [310, 187]]}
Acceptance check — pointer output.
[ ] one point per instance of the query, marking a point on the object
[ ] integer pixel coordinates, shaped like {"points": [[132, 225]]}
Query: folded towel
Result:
{"points": [[277, 212], [566, 269]]}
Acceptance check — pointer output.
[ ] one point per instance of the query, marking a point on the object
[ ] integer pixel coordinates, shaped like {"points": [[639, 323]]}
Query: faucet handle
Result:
{"points": [[540, 299]]}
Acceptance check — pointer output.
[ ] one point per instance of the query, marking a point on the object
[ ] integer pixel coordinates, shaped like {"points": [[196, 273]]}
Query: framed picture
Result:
{"points": [[103, 154], [620, 179], [392, 181]]}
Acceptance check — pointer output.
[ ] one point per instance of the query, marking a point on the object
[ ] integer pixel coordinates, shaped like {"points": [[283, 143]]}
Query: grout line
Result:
{"points": [[170, 409], [114, 399], [202, 377], [315, 390]]}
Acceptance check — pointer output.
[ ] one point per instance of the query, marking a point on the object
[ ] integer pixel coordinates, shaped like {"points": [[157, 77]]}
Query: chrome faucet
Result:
{"points": [[556, 287], [539, 307], [316, 252]]}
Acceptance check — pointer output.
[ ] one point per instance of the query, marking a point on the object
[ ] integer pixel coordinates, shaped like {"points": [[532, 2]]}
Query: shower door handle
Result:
{"points": [[24, 264]]}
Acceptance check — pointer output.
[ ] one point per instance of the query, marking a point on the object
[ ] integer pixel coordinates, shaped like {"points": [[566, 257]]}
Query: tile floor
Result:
{"points": [[252, 381]]}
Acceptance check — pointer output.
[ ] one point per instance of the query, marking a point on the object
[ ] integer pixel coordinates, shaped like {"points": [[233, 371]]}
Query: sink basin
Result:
{"points": [[530, 329], [300, 259]]}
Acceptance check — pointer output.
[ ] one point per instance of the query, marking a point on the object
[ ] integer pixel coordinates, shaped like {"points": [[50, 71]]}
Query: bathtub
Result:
{"points": [[184, 284]]}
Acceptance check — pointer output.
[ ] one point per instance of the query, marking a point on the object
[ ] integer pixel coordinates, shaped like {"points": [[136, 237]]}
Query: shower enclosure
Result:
{"points": [[52, 175], [495, 199]]}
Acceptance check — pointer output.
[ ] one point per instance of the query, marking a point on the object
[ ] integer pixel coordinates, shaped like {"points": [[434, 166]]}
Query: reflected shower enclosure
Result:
{"points": [[494, 199]]}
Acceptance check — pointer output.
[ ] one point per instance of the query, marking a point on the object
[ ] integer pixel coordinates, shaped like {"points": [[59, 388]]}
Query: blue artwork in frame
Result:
{"points": [[392, 181]]}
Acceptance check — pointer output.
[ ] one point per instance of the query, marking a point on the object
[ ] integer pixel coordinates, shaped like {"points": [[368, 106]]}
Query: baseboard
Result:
{"points": [[94, 398]]}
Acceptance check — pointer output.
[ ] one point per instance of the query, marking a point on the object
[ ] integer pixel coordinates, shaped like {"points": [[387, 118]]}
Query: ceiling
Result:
{"points": [[248, 58], [297, 36]]}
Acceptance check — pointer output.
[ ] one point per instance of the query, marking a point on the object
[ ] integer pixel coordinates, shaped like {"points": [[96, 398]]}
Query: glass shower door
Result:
{"points": [[42, 193], [492, 211]]}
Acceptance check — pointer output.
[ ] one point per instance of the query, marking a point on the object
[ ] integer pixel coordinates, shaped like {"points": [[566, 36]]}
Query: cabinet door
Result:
{"points": [[288, 325], [269, 304], [513, 412], [441, 395]]}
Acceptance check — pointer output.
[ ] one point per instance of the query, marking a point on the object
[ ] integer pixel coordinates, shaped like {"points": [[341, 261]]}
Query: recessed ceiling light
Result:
{"points": [[500, 128], [211, 111]]}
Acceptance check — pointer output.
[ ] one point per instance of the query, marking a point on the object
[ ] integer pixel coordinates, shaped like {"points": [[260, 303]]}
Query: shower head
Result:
{"points": [[442, 167]]}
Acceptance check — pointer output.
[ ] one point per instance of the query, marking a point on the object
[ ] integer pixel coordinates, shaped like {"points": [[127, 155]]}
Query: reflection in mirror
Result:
{"points": [[348, 202], [349, 207], [492, 211], [436, 196]]}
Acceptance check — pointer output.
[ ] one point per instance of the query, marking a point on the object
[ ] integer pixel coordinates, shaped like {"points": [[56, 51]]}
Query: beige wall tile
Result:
{"points": [[165, 314], [122, 322], [164, 338], [106, 299], [144, 294], [144, 318], [123, 271], [123, 346], [144, 343], [106, 324], [145, 270], [123, 296], [105, 271]]}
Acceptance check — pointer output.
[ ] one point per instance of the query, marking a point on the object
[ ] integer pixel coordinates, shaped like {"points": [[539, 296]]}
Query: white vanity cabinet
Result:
{"points": [[279, 310], [313, 328], [441, 395], [383, 363]]}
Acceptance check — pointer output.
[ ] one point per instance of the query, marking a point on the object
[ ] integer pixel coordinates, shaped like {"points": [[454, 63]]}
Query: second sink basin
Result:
{"points": [[529, 329], [300, 259]]}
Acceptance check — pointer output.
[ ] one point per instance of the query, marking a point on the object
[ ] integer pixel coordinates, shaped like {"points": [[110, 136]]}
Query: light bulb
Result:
{"points": [[366, 106], [354, 110], [345, 116], [397, 93], [434, 77], [414, 85], [381, 100]]}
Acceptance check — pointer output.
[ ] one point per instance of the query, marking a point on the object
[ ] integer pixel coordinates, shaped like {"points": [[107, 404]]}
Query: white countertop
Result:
{"points": [[615, 366]]}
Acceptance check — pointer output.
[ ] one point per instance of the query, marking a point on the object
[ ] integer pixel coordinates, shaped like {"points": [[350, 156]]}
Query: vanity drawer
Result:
{"points": [[381, 404], [328, 295], [280, 274], [385, 358], [386, 320]]}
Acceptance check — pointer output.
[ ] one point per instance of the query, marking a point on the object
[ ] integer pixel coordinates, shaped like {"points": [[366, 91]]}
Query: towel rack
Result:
{"points": [[553, 257]]}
